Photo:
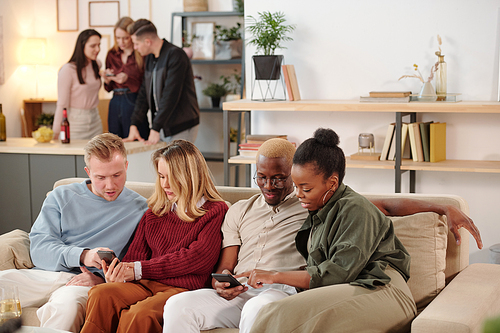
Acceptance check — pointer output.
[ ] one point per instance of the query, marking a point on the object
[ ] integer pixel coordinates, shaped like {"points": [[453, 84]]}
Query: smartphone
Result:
{"points": [[107, 256], [110, 75], [227, 278]]}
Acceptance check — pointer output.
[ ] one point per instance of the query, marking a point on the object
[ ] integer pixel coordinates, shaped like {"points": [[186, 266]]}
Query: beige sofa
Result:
{"points": [[451, 295]]}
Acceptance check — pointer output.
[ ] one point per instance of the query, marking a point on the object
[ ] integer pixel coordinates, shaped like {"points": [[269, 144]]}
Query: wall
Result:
{"points": [[345, 49]]}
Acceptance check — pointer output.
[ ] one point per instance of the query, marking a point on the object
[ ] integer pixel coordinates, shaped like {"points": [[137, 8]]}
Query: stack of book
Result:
{"points": [[387, 97], [292, 85], [426, 142], [253, 142]]}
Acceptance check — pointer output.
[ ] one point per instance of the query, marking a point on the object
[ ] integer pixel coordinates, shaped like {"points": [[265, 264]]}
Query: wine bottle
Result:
{"points": [[64, 135], [3, 131]]}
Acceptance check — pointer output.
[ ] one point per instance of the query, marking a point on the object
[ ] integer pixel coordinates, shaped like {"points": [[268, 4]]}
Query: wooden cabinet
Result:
{"points": [[400, 110], [32, 109]]}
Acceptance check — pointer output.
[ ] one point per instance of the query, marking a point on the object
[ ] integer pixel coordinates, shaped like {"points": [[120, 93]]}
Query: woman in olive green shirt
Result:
{"points": [[351, 251]]}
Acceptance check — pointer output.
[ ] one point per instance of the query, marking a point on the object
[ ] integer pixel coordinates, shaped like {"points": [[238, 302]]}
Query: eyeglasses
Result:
{"points": [[278, 183]]}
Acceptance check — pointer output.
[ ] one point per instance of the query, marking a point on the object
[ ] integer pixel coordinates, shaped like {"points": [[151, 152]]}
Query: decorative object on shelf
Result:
{"points": [[366, 141], [427, 93], [228, 42], [45, 119], [195, 5], [203, 40], [238, 6], [441, 73], [269, 31]]}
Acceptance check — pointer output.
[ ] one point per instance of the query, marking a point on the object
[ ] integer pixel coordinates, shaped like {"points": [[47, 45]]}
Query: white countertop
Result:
{"points": [[31, 146]]}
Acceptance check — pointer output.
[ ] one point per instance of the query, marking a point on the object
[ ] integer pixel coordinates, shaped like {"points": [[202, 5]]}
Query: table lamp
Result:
{"points": [[33, 52]]}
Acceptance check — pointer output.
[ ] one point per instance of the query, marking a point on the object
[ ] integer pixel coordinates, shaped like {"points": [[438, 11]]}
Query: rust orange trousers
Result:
{"points": [[127, 307]]}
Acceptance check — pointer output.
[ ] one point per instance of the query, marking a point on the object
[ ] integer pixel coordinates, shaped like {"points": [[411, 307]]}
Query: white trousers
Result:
{"points": [[204, 309], [84, 124], [189, 135], [60, 307]]}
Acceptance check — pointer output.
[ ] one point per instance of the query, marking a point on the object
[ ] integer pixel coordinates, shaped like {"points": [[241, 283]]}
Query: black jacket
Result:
{"points": [[176, 104]]}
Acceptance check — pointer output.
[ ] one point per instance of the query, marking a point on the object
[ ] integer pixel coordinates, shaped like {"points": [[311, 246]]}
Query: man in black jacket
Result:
{"points": [[167, 90]]}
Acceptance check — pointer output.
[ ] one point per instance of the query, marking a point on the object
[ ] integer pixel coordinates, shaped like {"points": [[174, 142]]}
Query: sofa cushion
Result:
{"points": [[424, 236], [15, 250]]}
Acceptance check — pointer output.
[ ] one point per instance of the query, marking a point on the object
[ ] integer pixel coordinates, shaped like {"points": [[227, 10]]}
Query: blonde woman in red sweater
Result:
{"points": [[174, 249]]}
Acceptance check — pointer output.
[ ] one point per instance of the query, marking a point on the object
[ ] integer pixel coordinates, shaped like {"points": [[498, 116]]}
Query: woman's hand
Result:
{"points": [[118, 271], [120, 78], [258, 277], [106, 77]]}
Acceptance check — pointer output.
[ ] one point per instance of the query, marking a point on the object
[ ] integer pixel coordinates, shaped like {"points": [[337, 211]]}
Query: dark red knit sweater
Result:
{"points": [[177, 253]]}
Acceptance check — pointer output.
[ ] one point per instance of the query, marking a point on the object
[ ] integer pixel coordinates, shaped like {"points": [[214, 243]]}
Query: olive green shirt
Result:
{"points": [[351, 241]]}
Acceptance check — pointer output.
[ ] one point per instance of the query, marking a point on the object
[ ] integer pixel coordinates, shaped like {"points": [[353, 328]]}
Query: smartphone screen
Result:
{"points": [[227, 278], [107, 256]]}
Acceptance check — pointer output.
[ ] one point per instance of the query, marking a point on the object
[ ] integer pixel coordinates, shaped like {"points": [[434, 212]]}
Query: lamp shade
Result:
{"points": [[33, 51]]}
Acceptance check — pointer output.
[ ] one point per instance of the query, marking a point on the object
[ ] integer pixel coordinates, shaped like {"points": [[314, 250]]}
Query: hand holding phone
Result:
{"points": [[110, 74], [107, 256], [227, 278]]}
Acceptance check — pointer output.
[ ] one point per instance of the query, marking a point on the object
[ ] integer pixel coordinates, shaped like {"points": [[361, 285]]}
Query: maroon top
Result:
{"points": [[135, 75], [177, 253]]}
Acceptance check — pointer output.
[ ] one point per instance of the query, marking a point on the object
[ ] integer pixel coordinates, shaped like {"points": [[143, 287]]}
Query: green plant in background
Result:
{"points": [[269, 31], [44, 119], [215, 90], [240, 6], [491, 325], [232, 82], [225, 34]]}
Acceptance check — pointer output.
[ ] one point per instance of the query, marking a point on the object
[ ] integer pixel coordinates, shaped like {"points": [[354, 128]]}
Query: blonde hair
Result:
{"points": [[103, 147], [189, 178], [123, 24], [277, 148]]}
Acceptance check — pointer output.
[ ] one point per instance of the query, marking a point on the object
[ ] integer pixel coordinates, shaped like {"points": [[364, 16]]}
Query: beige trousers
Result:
{"points": [[84, 124], [342, 308]]}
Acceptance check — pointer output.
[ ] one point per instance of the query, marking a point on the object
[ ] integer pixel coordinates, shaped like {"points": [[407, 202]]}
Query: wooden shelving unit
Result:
{"points": [[399, 109]]}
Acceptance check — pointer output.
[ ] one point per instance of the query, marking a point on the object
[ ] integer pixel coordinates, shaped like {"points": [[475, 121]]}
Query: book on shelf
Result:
{"points": [[260, 138], [437, 140], [417, 152], [392, 150], [390, 93], [287, 82], [368, 99], [424, 133], [387, 142], [293, 82]]}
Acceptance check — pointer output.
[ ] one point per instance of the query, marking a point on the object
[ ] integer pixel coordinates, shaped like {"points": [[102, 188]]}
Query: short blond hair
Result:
{"points": [[103, 147], [277, 148], [189, 178]]}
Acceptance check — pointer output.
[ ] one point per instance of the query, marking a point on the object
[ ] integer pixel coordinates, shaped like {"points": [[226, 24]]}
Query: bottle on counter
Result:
{"points": [[64, 135], [3, 130]]}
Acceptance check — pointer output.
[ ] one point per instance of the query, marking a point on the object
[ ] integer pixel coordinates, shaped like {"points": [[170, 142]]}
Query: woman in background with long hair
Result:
{"points": [[78, 86], [123, 75]]}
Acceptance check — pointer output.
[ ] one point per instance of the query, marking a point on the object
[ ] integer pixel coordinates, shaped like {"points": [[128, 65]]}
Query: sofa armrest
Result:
{"points": [[15, 250], [463, 305]]}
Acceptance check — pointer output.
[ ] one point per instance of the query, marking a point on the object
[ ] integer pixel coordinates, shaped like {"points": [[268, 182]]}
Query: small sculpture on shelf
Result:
{"points": [[366, 141]]}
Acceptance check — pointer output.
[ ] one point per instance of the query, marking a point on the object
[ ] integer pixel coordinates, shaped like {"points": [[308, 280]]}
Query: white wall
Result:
{"points": [[344, 49]]}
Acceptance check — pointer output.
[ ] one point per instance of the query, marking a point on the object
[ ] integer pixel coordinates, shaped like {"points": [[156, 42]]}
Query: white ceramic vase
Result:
{"points": [[427, 93]]}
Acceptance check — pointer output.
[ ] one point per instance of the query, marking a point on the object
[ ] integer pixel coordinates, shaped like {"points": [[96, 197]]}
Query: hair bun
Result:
{"points": [[327, 137]]}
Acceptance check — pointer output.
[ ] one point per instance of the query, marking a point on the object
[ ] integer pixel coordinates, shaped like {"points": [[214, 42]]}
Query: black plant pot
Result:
{"points": [[267, 67], [216, 102]]}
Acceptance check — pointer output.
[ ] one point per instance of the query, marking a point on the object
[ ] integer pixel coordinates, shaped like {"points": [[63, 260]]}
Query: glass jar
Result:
{"points": [[441, 74]]}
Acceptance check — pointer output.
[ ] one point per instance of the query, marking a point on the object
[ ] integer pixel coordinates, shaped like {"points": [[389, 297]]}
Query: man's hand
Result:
{"points": [[258, 277], [86, 279], [90, 258], [227, 293], [118, 271], [153, 138], [133, 134], [457, 219]]}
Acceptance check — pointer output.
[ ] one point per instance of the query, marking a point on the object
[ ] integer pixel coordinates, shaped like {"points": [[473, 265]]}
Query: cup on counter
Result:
{"points": [[10, 306]]}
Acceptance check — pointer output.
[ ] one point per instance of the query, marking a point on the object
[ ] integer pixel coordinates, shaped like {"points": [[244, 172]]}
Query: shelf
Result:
{"points": [[238, 159], [389, 165], [210, 110], [236, 61], [356, 106], [453, 165]]}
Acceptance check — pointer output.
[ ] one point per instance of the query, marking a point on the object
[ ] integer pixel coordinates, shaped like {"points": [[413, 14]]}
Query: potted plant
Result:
{"points": [[216, 91], [269, 32], [228, 43], [45, 119]]}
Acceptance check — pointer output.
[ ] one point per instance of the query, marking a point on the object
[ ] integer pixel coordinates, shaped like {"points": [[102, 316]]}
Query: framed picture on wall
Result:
{"points": [[103, 13], [203, 40], [67, 15], [137, 9]]}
